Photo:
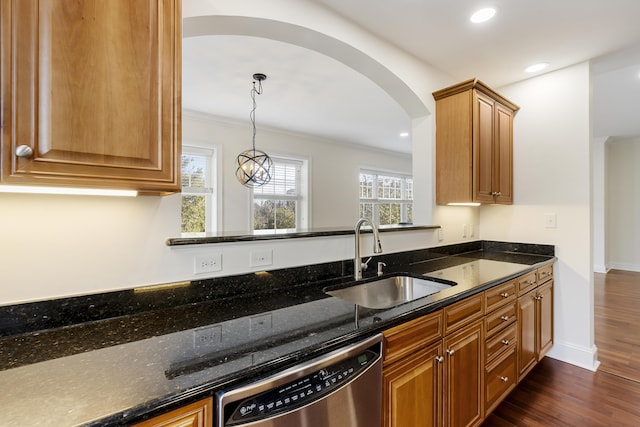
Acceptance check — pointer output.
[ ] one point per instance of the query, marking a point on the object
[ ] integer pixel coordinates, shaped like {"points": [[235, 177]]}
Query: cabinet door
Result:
{"points": [[197, 414], [412, 390], [544, 318], [527, 355], [92, 87], [483, 151], [464, 377], [503, 155]]}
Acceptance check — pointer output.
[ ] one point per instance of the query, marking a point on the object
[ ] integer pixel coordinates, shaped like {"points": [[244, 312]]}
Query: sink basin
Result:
{"points": [[388, 292]]}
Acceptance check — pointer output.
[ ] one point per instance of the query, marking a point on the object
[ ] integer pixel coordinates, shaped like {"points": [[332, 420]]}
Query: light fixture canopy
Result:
{"points": [[254, 166]]}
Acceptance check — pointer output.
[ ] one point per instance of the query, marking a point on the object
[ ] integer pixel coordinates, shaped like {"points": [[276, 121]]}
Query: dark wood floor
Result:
{"points": [[617, 322], [560, 394]]}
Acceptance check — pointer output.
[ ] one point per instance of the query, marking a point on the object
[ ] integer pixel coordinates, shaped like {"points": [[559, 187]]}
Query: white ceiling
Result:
{"points": [[311, 93]]}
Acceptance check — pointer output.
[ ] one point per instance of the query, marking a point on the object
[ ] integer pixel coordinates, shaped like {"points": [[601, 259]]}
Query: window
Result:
{"points": [[386, 198], [197, 191], [279, 205]]}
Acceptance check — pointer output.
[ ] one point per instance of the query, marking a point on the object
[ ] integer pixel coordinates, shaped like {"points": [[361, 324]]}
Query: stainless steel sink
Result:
{"points": [[388, 292]]}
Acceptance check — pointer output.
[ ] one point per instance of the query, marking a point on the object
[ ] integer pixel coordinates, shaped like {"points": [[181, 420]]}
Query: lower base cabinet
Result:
{"points": [[412, 390], [454, 366], [197, 414], [463, 377]]}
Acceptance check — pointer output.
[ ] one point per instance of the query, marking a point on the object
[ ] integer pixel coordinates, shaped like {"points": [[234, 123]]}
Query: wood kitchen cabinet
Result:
{"points": [[412, 373], [500, 376], [474, 145], [91, 93], [463, 379], [535, 321], [197, 414], [454, 366]]}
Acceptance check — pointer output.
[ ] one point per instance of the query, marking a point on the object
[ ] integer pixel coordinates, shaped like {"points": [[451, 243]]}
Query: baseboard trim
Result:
{"points": [[601, 268], [583, 357], [624, 266]]}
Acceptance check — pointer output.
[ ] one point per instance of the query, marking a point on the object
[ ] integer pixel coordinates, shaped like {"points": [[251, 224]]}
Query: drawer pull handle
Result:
{"points": [[450, 352], [504, 379], [530, 282], [504, 318], [439, 359], [504, 295], [505, 342], [539, 297]]}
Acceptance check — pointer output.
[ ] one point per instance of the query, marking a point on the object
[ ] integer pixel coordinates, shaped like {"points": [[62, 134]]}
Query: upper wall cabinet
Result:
{"points": [[474, 145], [91, 93]]}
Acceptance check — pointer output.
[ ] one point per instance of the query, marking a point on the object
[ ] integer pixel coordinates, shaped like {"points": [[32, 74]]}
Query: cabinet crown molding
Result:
{"points": [[474, 83]]}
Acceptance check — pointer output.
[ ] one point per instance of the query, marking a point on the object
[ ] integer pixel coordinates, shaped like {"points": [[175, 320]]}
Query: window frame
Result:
{"points": [[211, 189], [302, 198], [376, 201]]}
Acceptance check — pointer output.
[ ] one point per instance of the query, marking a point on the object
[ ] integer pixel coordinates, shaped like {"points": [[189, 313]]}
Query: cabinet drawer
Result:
{"points": [[500, 318], [500, 295], [501, 342], [500, 379], [463, 312], [411, 336], [544, 273], [526, 283]]}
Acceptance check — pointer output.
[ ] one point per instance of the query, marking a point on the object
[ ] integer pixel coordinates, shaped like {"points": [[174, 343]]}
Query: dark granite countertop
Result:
{"points": [[247, 236], [183, 342]]}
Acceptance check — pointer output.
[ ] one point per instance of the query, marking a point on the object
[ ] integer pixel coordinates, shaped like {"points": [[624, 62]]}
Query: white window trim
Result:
{"points": [[303, 214], [377, 201], [213, 216]]}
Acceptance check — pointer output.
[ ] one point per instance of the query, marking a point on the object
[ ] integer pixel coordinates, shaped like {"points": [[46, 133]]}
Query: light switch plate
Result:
{"points": [[550, 220]]}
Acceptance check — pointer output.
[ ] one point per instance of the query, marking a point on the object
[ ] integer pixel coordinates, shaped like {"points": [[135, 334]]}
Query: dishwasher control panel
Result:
{"points": [[300, 392]]}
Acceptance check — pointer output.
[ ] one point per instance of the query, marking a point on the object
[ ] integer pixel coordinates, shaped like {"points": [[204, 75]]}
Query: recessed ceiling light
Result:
{"points": [[404, 134], [482, 15], [536, 67]]}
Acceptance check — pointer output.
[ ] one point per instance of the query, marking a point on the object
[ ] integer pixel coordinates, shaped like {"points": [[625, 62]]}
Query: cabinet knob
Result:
{"points": [[504, 318], [504, 379], [539, 298], [505, 342], [24, 151], [439, 359], [450, 352], [504, 295]]}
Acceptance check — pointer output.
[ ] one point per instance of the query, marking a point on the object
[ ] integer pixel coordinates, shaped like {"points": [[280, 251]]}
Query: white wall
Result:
{"points": [[334, 168], [552, 176], [598, 205], [623, 203]]}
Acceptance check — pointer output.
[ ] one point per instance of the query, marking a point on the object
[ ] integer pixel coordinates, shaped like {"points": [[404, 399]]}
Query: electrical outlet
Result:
{"points": [[207, 336], [261, 324], [261, 258], [440, 234], [207, 263], [465, 231]]}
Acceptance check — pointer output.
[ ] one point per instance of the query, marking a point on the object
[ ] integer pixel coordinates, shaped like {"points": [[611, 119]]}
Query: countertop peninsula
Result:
{"points": [[111, 359]]}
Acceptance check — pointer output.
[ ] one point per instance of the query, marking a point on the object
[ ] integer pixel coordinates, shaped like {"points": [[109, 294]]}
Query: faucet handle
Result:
{"points": [[365, 264]]}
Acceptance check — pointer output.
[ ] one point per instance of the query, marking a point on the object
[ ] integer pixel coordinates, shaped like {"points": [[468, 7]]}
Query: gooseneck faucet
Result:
{"points": [[358, 265]]}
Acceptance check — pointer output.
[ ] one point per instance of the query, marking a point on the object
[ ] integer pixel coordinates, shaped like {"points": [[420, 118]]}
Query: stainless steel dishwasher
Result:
{"points": [[340, 389]]}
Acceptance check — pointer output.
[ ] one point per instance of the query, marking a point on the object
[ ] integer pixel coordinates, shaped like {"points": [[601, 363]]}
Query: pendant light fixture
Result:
{"points": [[254, 166]]}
